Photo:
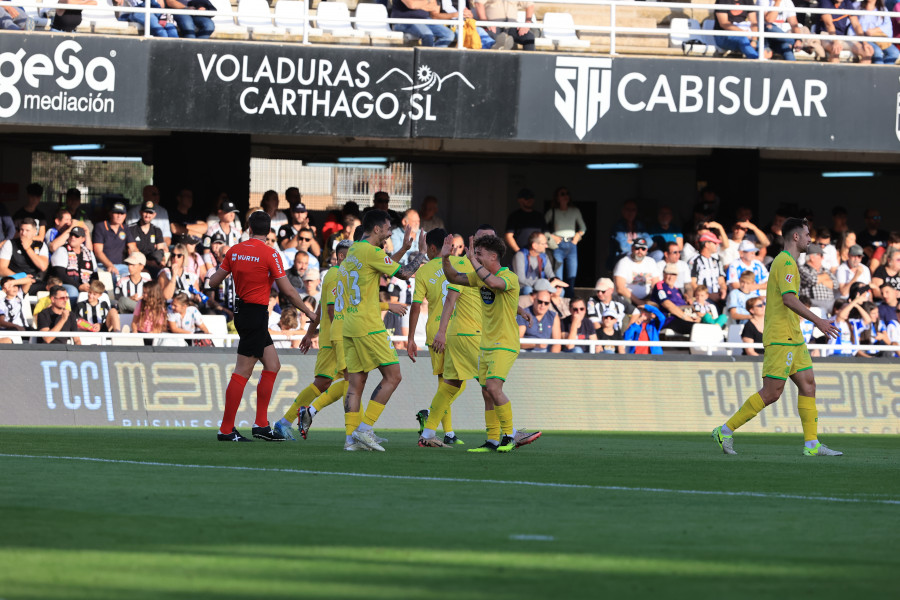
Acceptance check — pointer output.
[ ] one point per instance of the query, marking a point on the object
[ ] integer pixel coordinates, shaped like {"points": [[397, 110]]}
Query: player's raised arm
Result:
{"points": [[416, 260], [452, 275], [489, 279]]}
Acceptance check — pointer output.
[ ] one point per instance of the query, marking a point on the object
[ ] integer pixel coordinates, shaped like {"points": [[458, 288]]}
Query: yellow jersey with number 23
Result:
{"points": [[360, 273]]}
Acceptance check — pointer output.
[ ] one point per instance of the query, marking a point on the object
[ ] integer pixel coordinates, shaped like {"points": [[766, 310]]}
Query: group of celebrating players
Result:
{"points": [[471, 333]]}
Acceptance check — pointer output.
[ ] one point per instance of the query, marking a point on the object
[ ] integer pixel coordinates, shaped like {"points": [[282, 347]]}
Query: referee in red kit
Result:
{"points": [[254, 266]]}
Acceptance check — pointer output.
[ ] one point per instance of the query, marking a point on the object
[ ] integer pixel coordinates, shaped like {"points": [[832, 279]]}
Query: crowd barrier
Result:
{"points": [[306, 19], [171, 387]]}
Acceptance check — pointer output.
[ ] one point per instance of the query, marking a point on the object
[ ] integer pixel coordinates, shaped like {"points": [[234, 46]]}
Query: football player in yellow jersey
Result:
{"points": [[499, 288], [431, 285], [367, 345], [786, 354]]}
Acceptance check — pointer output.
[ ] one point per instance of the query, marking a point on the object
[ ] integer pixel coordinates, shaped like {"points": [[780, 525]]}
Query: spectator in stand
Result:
{"points": [[149, 238], [14, 18], [874, 332], [160, 26], [624, 232], [130, 289], [609, 330], [194, 263], [707, 311], [150, 311], [784, 20], [635, 275], [74, 263], [458, 248], [113, 242], [62, 221], [878, 25], [34, 193], [748, 262], [506, 10], [889, 272], [577, 326], [45, 301], [532, 263], [844, 242], [744, 231], [545, 324], [645, 329], [57, 318], [12, 317], [184, 220], [227, 225], [707, 270], [272, 242], [290, 324], [97, 311], [297, 270], [830, 260], [680, 318], [523, 222], [410, 219], [872, 237], [183, 317], [672, 256], [26, 254], [664, 232], [350, 223], [566, 229], [839, 217], [817, 282], [753, 328], [194, 26], [150, 200], [692, 249], [288, 234], [890, 298], [740, 21], [222, 300], [842, 24], [893, 242], [176, 277], [852, 271], [428, 213], [311, 283], [736, 304], [776, 240], [437, 36], [7, 226], [603, 302]]}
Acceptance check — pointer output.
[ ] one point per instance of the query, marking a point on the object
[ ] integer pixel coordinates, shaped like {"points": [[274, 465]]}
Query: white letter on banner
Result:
{"points": [[764, 104], [89, 373], [206, 69], [67, 367], [631, 106], [662, 94], [244, 107], [810, 97], [787, 98], [49, 384], [107, 387], [735, 99], [691, 88]]}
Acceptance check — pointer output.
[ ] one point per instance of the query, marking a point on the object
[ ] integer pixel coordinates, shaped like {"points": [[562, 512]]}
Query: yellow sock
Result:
{"points": [[809, 417], [373, 411], [492, 425], [351, 421], [447, 421], [304, 398], [504, 414], [440, 405], [750, 409], [334, 393]]}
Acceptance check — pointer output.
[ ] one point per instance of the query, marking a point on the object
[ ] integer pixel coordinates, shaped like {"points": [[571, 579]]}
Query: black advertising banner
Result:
{"points": [[81, 81], [286, 89], [466, 94], [697, 102]]}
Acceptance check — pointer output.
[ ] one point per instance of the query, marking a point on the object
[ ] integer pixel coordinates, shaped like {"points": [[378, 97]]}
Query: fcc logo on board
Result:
{"points": [[582, 97]]}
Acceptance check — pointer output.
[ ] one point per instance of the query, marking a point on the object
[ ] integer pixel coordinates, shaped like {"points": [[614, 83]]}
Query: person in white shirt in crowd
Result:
{"points": [[565, 229], [311, 283], [410, 219], [636, 274], [97, 310], [73, 263], [748, 262], [176, 278], [130, 289], [428, 212], [227, 224], [707, 270], [852, 271], [183, 317], [602, 301], [784, 20], [692, 249], [12, 317], [736, 304], [150, 194], [672, 256], [58, 235], [741, 231]]}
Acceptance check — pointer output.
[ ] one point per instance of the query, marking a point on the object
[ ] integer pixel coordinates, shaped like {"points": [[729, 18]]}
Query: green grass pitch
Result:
{"points": [[295, 520]]}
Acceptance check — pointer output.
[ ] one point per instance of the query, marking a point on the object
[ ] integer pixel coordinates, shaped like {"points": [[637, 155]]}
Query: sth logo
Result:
{"points": [[789, 278]]}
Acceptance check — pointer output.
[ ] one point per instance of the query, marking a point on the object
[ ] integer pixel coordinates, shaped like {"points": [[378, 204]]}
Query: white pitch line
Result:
{"points": [[571, 486]]}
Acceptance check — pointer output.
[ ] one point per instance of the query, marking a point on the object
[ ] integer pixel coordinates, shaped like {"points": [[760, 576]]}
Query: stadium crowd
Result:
{"points": [[147, 268]]}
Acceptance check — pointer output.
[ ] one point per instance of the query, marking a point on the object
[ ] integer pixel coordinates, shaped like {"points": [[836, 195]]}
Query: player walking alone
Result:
{"points": [[786, 354], [254, 266]]}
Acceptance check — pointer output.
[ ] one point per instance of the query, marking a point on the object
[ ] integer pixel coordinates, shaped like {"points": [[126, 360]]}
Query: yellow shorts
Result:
{"points": [[461, 357], [369, 352], [495, 364], [326, 363], [780, 362], [437, 361], [339, 356]]}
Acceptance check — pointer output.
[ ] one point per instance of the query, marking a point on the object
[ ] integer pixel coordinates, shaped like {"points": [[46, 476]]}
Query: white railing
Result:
{"points": [[228, 339], [612, 29]]}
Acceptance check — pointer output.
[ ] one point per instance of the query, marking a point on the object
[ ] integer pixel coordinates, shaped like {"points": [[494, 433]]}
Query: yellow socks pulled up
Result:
{"points": [[809, 417], [505, 416], [439, 413], [492, 425], [334, 393], [373, 411], [351, 421], [750, 409], [304, 398]]}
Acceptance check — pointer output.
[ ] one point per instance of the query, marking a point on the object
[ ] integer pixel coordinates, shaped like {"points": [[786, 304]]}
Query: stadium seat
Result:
{"points": [[290, 14], [105, 21], [334, 19], [256, 16], [375, 23], [734, 337], [560, 29], [125, 320], [217, 325], [226, 28], [105, 278], [708, 334]]}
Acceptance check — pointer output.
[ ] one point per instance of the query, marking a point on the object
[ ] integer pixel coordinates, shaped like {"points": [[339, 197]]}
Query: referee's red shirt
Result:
{"points": [[254, 267]]}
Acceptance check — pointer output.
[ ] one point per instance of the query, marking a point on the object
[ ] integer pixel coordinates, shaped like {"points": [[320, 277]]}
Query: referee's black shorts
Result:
{"points": [[252, 324]]}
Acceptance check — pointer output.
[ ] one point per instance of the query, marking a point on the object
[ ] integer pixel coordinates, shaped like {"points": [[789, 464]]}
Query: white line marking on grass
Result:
{"points": [[570, 486], [526, 537]]}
